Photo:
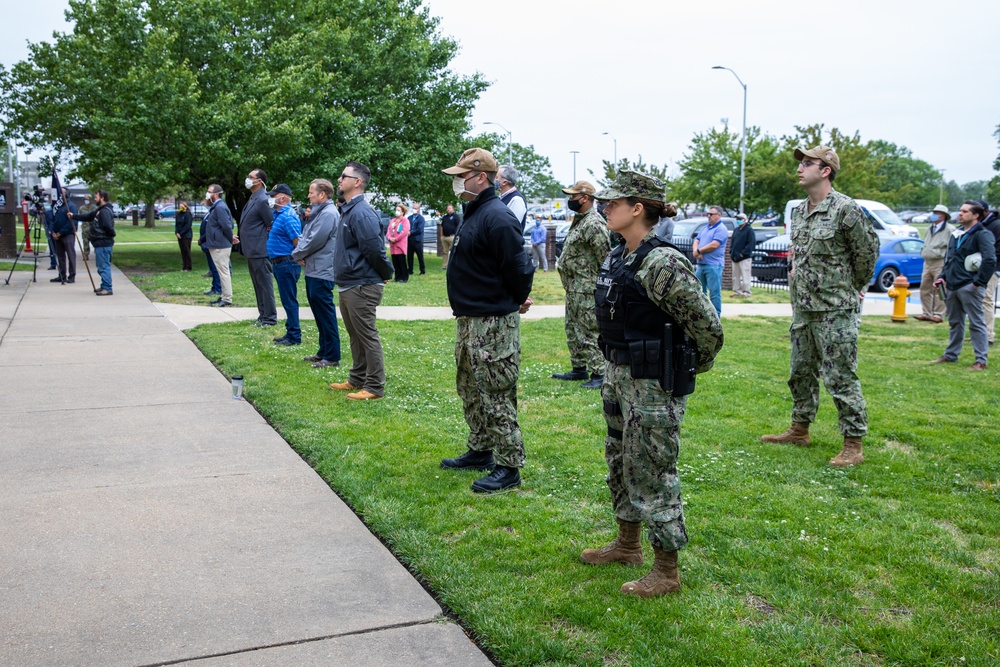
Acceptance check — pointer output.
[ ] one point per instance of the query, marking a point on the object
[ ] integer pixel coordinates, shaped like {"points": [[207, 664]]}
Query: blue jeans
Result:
{"points": [[710, 276], [104, 265], [286, 274], [320, 295], [216, 282]]}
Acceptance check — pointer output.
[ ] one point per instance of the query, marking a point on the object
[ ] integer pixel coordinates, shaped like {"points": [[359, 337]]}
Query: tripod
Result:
{"points": [[35, 233]]}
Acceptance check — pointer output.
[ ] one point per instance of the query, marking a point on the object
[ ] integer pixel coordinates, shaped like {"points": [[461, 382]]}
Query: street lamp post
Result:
{"points": [[941, 189], [615, 165], [743, 141], [574, 164], [510, 141]]}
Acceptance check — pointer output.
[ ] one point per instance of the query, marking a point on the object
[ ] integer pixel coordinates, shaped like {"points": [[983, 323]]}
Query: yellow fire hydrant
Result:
{"points": [[898, 293]]}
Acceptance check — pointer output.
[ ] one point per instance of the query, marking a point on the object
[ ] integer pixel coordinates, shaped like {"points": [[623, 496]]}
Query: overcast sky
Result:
{"points": [[562, 73]]}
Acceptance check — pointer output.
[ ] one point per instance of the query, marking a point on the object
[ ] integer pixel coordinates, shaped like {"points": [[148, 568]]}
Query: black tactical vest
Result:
{"points": [[635, 331]]}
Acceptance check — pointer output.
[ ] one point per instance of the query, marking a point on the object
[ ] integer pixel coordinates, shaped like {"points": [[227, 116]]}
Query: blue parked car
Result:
{"points": [[899, 257]]}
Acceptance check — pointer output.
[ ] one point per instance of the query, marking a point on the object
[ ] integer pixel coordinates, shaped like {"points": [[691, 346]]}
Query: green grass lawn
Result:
{"points": [[790, 562]]}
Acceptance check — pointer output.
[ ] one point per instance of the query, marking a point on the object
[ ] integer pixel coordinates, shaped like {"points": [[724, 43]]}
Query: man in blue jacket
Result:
{"points": [[489, 280], [281, 241], [362, 270], [64, 234], [415, 244], [218, 229]]}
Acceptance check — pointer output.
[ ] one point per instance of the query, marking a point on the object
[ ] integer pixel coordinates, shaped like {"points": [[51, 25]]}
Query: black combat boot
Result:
{"points": [[501, 479], [471, 460], [596, 382], [575, 374]]}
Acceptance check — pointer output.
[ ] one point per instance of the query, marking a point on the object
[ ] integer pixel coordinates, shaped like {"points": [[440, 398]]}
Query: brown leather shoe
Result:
{"points": [[978, 366], [312, 357], [343, 386], [363, 395], [937, 320], [323, 363], [944, 360], [923, 318]]}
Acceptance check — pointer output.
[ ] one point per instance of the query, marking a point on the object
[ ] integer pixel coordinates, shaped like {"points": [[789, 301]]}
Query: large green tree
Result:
{"points": [[153, 96]]}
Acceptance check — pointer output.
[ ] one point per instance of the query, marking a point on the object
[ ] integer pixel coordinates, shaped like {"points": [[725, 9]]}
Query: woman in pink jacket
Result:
{"points": [[399, 230]]}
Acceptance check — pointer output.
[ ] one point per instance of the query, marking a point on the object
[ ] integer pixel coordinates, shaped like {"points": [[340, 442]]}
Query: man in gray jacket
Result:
{"points": [[255, 223], [362, 271], [935, 246], [315, 252], [218, 230]]}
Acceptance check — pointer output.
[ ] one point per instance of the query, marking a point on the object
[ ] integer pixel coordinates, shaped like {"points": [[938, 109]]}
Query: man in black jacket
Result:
{"points": [[449, 225], [102, 237], [255, 223], [64, 234], [183, 222], [740, 249], [489, 280], [967, 286]]}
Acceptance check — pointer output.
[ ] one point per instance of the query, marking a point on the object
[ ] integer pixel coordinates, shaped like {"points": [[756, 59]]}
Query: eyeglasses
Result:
{"points": [[343, 176], [717, 215]]}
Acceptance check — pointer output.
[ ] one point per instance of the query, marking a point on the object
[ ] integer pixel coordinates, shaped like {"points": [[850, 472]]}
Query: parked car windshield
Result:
{"points": [[886, 217], [686, 228]]}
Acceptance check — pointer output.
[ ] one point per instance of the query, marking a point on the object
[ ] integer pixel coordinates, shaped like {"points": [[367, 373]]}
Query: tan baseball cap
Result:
{"points": [[824, 153], [581, 188], [474, 159]]}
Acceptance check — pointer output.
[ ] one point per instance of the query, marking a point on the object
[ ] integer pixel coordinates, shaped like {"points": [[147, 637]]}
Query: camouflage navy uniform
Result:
{"points": [[85, 226], [643, 420], [834, 251], [587, 244]]}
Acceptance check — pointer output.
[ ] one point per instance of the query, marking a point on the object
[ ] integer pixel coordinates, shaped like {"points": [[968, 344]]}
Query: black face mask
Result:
{"points": [[574, 205]]}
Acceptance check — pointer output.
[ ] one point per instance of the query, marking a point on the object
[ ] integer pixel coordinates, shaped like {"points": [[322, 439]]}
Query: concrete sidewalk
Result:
{"points": [[146, 518], [185, 317]]}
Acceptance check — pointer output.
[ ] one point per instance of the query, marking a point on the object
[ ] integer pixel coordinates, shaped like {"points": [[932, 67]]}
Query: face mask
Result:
{"points": [[538, 223], [573, 205], [399, 214], [458, 186], [271, 201], [208, 196]]}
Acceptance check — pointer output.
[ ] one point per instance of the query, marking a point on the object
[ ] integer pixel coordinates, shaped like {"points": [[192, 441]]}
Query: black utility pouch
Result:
{"points": [[644, 359], [685, 365]]}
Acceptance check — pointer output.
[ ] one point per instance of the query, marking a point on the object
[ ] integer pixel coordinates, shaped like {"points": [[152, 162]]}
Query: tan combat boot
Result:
{"points": [[850, 455], [663, 579], [797, 434], [626, 548]]}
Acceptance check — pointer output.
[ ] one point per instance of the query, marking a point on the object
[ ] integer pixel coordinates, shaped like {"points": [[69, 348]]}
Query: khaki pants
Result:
{"points": [[741, 276], [220, 257], [446, 242], [989, 306], [930, 300]]}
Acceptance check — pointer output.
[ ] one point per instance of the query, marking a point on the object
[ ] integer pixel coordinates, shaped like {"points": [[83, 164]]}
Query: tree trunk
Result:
{"points": [[150, 215]]}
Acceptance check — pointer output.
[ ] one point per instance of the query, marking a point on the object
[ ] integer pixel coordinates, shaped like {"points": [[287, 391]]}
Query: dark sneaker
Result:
{"points": [[501, 479], [576, 374], [57, 280], [470, 460], [222, 304], [312, 357], [212, 292], [286, 342], [325, 363], [258, 323]]}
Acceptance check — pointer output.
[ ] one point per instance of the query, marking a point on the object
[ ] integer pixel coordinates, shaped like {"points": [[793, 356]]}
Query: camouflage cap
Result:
{"points": [[634, 184], [824, 153], [581, 188], [474, 159]]}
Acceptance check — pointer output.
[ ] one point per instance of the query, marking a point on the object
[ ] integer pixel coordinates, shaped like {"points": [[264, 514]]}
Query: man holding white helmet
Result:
{"points": [[935, 247], [966, 283]]}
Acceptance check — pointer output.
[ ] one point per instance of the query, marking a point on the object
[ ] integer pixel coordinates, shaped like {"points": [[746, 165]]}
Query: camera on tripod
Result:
{"points": [[37, 199]]}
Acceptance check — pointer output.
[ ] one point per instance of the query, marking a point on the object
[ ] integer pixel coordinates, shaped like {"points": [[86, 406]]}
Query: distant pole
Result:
{"points": [[574, 164], [615, 164], [941, 189], [743, 141], [510, 141]]}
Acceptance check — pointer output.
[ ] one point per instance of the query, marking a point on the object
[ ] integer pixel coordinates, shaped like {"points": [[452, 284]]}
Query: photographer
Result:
{"points": [[37, 200], [102, 237], [64, 233]]}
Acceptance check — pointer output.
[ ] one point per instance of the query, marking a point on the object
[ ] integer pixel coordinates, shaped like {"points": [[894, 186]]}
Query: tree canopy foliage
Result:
{"points": [[150, 96]]}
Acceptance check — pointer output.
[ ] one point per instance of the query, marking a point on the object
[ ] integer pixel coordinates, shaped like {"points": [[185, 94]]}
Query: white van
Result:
{"points": [[885, 221]]}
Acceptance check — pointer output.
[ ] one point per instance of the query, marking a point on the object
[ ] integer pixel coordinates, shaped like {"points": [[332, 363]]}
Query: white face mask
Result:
{"points": [[458, 186], [208, 196], [248, 183], [271, 201]]}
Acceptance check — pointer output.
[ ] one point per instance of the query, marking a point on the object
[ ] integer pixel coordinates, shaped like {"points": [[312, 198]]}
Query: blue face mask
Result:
{"points": [[538, 223]]}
